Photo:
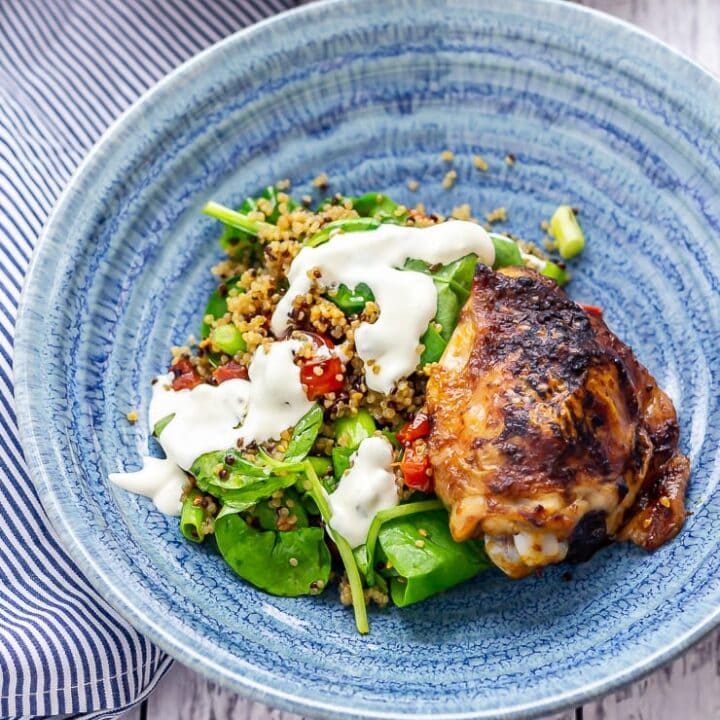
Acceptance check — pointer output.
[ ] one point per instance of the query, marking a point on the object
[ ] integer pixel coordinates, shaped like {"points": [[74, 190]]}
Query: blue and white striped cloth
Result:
{"points": [[67, 69]]}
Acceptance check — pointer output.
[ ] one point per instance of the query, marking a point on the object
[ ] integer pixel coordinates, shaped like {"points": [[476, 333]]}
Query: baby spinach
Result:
{"points": [[424, 558], [352, 302], [346, 225], [341, 460], [453, 283], [379, 206], [304, 435], [217, 303], [507, 252], [289, 564], [161, 424], [237, 481], [267, 514]]}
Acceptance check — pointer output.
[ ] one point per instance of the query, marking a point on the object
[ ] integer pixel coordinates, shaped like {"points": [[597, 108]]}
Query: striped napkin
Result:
{"points": [[68, 68]]}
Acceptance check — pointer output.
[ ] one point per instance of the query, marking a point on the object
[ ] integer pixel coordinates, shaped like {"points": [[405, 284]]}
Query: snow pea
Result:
{"points": [[288, 564]]}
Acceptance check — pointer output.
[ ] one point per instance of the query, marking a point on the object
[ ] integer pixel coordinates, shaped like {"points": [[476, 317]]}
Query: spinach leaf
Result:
{"points": [[453, 283], [341, 460], [379, 206], [351, 302], [161, 424], [217, 303], [428, 562], [304, 434], [267, 515], [242, 481], [281, 563], [346, 225]]}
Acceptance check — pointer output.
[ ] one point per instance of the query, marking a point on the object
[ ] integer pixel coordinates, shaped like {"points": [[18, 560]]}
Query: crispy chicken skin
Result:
{"points": [[548, 437]]}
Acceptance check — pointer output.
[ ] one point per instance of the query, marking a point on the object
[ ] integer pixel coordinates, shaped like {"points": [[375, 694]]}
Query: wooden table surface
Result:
{"points": [[687, 689]]}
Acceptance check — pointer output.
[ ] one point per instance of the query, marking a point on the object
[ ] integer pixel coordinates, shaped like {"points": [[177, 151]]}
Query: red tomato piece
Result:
{"points": [[322, 377], [418, 427], [230, 371], [185, 375], [415, 467]]}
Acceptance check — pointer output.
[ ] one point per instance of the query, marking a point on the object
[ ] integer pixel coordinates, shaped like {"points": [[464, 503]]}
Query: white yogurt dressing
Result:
{"points": [[160, 479], [407, 299], [367, 487], [277, 397], [208, 418]]}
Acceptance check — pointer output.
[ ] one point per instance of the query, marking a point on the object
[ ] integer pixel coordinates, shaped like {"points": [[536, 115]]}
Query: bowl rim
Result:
{"points": [[99, 576]]}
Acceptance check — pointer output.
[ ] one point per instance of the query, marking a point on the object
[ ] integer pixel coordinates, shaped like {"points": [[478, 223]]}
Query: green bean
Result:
{"points": [[351, 431], [228, 339], [567, 232]]}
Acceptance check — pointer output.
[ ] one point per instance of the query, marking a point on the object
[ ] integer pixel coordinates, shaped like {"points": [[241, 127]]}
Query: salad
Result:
{"points": [[294, 429]]}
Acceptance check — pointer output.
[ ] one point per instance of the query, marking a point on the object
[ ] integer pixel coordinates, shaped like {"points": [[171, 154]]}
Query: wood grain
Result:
{"points": [[687, 689]]}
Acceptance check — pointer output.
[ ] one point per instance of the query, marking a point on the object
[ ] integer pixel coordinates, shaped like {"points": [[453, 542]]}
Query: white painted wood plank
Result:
{"points": [[184, 695], [687, 689], [133, 714], [691, 26]]}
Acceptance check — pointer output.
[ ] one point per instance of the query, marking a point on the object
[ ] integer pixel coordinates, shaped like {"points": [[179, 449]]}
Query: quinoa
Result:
{"points": [[449, 179], [480, 163]]}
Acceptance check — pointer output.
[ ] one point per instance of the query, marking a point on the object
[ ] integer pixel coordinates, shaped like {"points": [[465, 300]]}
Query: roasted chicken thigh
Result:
{"points": [[548, 438]]}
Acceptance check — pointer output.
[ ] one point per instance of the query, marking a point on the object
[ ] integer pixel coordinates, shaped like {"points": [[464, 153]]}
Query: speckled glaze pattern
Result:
{"points": [[598, 115]]}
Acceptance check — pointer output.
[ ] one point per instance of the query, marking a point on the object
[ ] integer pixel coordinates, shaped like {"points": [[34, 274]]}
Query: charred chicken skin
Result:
{"points": [[548, 438]]}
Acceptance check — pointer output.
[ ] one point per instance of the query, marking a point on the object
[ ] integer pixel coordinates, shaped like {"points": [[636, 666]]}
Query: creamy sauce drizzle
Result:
{"points": [[160, 479], [277, 398], [209, 418], [367, 487], [390, 347]]}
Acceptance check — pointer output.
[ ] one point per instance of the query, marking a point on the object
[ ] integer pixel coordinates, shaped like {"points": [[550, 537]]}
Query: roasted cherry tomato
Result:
{"points": [[323, 373], [415, 467], [418, 427], [186, 377], [230, 371], [591, 309], [322, 376]]}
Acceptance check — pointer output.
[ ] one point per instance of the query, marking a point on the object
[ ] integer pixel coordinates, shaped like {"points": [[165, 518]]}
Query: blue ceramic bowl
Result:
{"points": [[598, 115]]}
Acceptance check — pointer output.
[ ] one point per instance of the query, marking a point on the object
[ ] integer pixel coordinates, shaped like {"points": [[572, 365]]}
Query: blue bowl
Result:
{"points": [[598, 115]]}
